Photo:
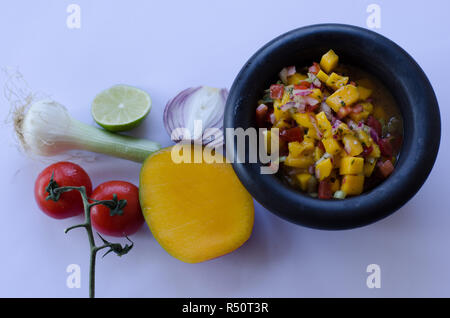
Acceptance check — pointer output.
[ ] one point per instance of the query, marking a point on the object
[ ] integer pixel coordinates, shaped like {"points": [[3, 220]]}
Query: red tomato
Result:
{"points": [[311, 109], [65, 174], [276, 91], [302, 85], [117, 225], [325, 190], [375, 124], [367, 151], [385, 147], [292, 134], [344, 111], [357, 108], [386, 168]]}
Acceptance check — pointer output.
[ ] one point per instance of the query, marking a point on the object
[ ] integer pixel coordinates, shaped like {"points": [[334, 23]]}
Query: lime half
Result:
{"points": [[121, 107]]}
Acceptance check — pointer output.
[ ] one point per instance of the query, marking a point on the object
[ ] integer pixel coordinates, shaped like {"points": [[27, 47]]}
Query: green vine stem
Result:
{"points": [[116, 208]]}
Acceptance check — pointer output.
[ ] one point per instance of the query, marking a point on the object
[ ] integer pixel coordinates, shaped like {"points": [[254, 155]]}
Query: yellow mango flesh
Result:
{"points": [[196, 211]]}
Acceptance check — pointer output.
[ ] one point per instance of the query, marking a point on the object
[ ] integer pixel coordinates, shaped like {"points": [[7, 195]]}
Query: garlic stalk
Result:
{"points": [[204, 105], [47, 129]]}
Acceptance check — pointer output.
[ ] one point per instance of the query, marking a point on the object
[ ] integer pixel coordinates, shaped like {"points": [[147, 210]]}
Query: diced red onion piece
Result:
{"points": [[302, 92], [272, 118], [283, 75], [287, 106], [290, 70]]}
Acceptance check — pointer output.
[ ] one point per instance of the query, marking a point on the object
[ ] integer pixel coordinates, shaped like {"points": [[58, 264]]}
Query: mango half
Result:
{"points": [[196, 211]]}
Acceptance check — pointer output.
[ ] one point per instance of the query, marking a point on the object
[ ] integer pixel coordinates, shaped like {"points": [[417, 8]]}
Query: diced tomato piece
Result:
{"points": [[325, 190], [310, 108], [276, 91], [314, 69], [302, 85], [385, 147], [292, 134], [375, 124], [344, 111], [357, 108], [321, 146], [367, 151], [385, 168], [262, 111]]}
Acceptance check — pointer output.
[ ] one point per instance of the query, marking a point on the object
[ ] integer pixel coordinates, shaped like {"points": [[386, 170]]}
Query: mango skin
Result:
{"points": [[196, 211]]}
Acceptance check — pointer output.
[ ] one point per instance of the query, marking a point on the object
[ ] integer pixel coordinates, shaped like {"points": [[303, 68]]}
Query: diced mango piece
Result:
{"points": [[336, 81], [316, 94], [376, 153], [318, 153], [277, 103], [324, 124], [308, 145], [364, 138], [297, 148], [344, 96], [352, 185], [303, 179], [351, 165], [352, 145], [364, 93], [343, 130], [329, 61], [282, 123], [367, 106], [323, 169], [322, 76], [296, 78], [335, 184], [369, 166], [331, 145], [357, 117], [303, 119], [300, 162], [312, 134]]}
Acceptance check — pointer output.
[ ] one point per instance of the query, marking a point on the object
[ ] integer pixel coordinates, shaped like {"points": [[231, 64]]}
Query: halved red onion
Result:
{"points": [[203, 104]]}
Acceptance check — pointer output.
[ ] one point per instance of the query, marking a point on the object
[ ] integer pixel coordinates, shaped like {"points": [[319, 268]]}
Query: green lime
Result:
{"points": [[121, 107]]}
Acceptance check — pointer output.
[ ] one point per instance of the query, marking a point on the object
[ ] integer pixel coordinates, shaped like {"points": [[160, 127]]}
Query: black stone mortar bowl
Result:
{"points": [[373, 53]]}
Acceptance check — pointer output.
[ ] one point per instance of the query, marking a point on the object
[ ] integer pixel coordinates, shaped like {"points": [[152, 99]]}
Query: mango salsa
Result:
{"points": [[336, 137]]}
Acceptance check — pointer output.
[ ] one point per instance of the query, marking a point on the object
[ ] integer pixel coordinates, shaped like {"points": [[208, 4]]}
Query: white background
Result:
{"points": [[164, 47]]}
